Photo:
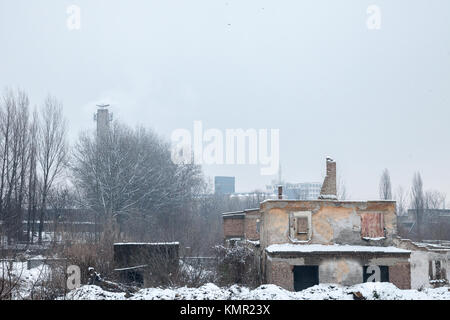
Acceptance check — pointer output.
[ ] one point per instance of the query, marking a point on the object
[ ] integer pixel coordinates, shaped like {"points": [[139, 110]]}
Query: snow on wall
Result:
{"points": [[311, 248]]}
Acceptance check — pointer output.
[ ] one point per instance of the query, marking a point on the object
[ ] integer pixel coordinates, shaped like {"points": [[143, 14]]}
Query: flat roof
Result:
{"points": [[147, 244], [328, 200], [236, 213], [320, 248]]}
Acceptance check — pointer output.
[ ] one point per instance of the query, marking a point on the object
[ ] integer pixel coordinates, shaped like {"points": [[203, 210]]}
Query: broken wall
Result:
{"points": [[234, 225], [424, 271]]}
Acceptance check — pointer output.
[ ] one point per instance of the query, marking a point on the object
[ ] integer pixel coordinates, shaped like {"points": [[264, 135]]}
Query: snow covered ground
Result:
{"points": [[30, 279], [24, 281], [369, 291]]}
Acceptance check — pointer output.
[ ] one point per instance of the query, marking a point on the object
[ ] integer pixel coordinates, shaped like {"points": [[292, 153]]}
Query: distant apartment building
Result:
{"points": [[224, 185], [298, 191]]}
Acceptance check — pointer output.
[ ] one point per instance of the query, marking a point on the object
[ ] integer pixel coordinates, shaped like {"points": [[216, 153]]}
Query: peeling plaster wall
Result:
{"points": [[341, 271], [332, 221]]}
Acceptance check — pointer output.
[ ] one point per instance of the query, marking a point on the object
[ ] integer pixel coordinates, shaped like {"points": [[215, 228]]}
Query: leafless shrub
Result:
{"points": [[195, 273], [237, 264], [98, 255], [8, 281]]}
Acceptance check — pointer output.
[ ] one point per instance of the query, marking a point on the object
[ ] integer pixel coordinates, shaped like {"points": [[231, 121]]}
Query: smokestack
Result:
{"points": [[280, 192], [329, 190], [103, 118]]}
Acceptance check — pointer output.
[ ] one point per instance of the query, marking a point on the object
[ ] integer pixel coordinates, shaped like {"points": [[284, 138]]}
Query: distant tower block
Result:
{"points": [[103, 118]]}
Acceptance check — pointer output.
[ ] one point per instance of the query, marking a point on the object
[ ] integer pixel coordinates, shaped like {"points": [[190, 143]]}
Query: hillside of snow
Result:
{"points": [[365, 291]]}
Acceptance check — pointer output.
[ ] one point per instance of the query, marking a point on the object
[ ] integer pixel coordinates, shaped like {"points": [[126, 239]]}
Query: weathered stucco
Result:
{"points": [[341, 271], [332, 221], [329, 222]]}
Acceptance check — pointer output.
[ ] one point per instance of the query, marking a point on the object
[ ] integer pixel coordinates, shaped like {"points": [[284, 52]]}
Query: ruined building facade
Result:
{"points": [[304, 243]]}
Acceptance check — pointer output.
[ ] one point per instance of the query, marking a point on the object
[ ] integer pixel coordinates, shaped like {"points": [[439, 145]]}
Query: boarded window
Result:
{"points": [[302, 225], [372, 225]]}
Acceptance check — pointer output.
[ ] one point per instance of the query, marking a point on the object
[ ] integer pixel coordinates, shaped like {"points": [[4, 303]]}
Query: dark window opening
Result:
{"points": [[438, 270], [370, 274], [305, 277], [134, 277]]}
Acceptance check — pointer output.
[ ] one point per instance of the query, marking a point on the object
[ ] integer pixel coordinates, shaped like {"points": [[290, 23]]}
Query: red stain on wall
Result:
{"points": [[372, 225]]}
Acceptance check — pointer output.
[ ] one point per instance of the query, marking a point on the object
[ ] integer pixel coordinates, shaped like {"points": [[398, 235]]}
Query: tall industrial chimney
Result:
{"points": [[103, 118]]}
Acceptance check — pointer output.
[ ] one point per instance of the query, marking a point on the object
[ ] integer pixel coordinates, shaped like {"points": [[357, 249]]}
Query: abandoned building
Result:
{"points": [[145, 264], [304, 243]]}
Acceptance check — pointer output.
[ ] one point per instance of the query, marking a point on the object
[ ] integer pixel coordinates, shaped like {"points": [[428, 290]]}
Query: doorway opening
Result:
{"points": [[305, 277]]}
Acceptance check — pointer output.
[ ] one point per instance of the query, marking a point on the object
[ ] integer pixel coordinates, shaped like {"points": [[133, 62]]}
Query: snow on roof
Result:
{"points": [[328, 197], [233, 213], [312, 248], [148, 244], [330, 200], [131, 268]]}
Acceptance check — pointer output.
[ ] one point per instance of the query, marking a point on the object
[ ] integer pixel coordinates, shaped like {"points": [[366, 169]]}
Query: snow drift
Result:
{"points": [[365, 291]]}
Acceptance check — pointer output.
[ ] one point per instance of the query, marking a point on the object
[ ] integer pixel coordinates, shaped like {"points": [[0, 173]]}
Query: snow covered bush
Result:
{"points": [[237, 264], [194, 274]]}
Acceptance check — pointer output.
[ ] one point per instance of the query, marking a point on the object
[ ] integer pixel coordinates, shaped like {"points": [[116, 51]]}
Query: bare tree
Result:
{"points": [[417, 202], [52, 152], [401, 196], [128, 176], [32, 179], [385, 187], [434, 200], [14, 155], [341, 189]]}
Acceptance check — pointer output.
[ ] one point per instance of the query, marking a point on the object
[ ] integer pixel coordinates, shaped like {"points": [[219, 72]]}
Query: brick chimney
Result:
{"points": [[329, 191], [280, 192]]}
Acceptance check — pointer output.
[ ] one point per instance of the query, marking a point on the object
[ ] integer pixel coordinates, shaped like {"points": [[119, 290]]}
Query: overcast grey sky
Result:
{"points": [[372, 99]]}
